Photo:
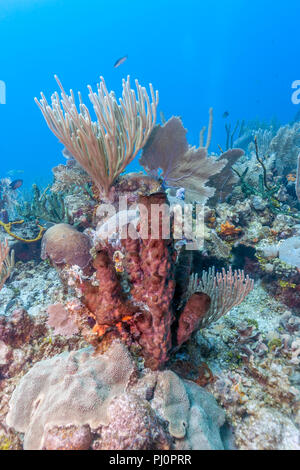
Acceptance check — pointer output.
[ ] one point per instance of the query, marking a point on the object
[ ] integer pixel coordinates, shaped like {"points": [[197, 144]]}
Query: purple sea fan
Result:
{"points": [[182, 165]]}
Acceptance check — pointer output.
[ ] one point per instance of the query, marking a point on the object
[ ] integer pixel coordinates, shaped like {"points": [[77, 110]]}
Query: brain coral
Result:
{"points": [[289, 251], [63, 244], [78, 400]]}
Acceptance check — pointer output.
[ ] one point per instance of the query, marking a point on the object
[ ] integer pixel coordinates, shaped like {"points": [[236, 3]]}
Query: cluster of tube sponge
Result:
{"points": [[143, 315]]}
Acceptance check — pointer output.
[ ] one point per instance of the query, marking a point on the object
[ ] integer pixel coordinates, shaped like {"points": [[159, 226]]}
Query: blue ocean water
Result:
{"points": [[236, 56]]}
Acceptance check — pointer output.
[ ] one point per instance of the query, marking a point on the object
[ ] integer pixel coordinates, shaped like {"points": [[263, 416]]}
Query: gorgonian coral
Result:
{"points": [[103, 148], [181, 165]]}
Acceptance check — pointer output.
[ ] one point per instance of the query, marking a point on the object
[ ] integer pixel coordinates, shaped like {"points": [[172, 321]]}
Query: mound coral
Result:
{"points": [[63, 245], [79, 401]]}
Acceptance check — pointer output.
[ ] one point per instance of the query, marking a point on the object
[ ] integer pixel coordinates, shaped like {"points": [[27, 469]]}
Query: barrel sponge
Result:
{"points": [[289, 251], [62, 244]]}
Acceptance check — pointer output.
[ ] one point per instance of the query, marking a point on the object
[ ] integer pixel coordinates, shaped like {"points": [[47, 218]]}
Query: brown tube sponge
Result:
{"points": [[150, 265], [195, 309]]}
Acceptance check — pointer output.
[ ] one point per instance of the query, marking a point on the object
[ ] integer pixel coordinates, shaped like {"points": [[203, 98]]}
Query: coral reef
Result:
{"points": [[131, 291], [119, 338], [104, 403]]}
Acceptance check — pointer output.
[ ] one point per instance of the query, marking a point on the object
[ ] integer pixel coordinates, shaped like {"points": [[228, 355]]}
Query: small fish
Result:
{"points": [[225, 115], [16, 184], [10, 303], [120, 61]]}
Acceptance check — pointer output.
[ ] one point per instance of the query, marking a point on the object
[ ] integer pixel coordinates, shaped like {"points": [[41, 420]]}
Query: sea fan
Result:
{"points": [[181, 165]]}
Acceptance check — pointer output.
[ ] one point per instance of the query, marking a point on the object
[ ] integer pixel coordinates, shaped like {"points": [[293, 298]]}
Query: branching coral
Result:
{"points": [[103, 148], [44, 205], [265, 190], [6, 262]]}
